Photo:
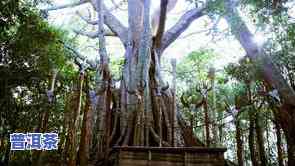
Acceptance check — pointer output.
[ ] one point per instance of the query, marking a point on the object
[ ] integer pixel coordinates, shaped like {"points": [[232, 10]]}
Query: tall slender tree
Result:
{"points": [[270, 73]]}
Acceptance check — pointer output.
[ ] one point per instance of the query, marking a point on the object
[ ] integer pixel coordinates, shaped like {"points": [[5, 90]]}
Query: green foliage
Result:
{"points": [[264, 12], [245, 71], [30, 50], [195, 66], [192, 73], [280, 47], [216, 7], [9, 9], [258, 5], [116, 65]]}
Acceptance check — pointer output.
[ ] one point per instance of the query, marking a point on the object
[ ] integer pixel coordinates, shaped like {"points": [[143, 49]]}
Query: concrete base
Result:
{"points": [[168, 156]]}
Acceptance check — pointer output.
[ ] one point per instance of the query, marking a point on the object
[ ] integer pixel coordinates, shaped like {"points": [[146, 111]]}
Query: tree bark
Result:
{"points": [[260, 139], [207, 122], [239, 142], [288, 125], [174, 118], [211, 76], [86, 133], [251, 138], [279, 144], [75, 105]]}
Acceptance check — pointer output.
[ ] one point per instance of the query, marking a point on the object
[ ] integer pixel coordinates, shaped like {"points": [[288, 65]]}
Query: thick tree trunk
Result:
{"points": [[239, 143], [86, 133], [63, 144], [287, 117], [252, 115], [207, 122], [260, 140], [215, 140], [251, 138], [101, 126], [75, 106], [279, 142], [103, 90], [146, 104], [174, 118]]}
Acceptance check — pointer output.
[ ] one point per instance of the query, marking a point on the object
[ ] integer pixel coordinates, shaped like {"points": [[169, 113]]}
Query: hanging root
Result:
{"points": [[116, 118], [157, 138], [130, 127], [122, 136]]}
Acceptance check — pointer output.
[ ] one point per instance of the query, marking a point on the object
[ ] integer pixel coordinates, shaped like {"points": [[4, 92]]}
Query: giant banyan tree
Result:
{"points": [[143, 112]]}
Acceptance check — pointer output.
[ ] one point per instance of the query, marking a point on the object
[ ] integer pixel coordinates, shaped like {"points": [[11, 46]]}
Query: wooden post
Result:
{"points": [[174, 118], [211, 76]]}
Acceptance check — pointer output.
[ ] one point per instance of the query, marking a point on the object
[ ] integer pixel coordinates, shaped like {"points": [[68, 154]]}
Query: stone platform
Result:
{"points": [[168, 156]]}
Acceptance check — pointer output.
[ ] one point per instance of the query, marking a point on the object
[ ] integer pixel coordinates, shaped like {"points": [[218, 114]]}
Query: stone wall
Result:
{"points": [[168, 156]]}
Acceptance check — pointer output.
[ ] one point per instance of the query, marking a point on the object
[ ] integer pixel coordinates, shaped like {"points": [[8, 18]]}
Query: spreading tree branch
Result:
{"points": [[117, 5], [270, 73], [87, 19], [184, 22], [104, 60], [207, 31], [110, 20], [161, 27], [113, 23], [93, 34], [77, 55]]}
